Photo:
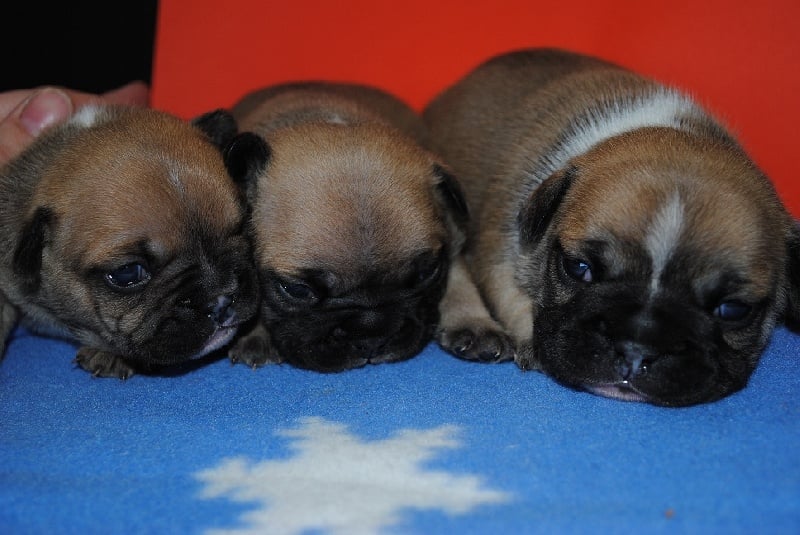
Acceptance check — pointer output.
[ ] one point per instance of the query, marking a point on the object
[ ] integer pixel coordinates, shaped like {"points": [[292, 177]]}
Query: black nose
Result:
{"points": [[633, 358], [221, 311]]}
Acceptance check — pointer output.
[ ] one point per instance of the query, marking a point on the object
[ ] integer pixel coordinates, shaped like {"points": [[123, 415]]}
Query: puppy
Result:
{"points": [[121, 230], [354, 226], [621, 237]]}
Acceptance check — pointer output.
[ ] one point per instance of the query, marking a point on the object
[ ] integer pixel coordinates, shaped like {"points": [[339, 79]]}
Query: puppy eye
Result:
{"points": [[297, 290], [577, 269], [128, 276], [428, 273], [732, 311]]}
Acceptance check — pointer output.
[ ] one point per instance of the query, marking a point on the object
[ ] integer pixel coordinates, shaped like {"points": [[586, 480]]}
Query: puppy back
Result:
{"points": [[516, 119], [291, 104]]}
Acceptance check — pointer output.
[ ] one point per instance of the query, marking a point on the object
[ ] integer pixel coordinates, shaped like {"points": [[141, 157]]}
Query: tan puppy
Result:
{"points": [[621, 238], [354, 227], [120, 229]]}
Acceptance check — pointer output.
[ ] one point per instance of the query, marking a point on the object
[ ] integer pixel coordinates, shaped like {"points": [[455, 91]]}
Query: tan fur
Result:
{"points": [[121, 187], [344, 179], [620, 201], [489, 150], [348, 188], [151, 205], [364, 177], [313, 102], [503, 123]]}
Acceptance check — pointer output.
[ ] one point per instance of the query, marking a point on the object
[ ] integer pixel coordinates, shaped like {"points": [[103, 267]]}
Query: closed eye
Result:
{"points": [[428, 273]]}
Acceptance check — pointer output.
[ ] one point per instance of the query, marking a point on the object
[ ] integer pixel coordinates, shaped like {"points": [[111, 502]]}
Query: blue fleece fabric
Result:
{"points": [[516, 452]]}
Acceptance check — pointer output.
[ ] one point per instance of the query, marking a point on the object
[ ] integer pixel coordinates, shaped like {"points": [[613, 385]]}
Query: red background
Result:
{"points": [[738, 58]]}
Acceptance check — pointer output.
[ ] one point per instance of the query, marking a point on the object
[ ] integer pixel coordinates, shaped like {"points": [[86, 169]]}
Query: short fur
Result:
{"points": [[121, 229], [621, 239], [354, 226]]}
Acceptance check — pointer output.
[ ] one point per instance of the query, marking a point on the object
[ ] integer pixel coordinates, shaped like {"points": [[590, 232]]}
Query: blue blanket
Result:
{"points": [[431, 445]]}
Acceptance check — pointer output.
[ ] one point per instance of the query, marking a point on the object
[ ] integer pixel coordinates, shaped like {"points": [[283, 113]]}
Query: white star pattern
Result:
{"points": [[340, 484]]}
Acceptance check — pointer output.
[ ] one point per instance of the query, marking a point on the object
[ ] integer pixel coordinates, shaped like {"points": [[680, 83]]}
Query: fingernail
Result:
{"points": [[44, 109]]}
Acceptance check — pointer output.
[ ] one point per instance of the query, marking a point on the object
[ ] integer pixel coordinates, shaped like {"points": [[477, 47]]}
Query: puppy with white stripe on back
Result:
{"points": [[621, 238], [121, 229], [353, 223]]}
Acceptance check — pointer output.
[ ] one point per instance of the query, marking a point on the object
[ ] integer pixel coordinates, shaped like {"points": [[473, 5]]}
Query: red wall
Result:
{"points": [[739, 58]]}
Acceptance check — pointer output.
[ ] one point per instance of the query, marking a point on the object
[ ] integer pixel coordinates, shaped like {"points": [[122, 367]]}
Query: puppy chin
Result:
{"points": [[669, 381], [327, 359], [329, 355], [324, 360], [622, 391]]}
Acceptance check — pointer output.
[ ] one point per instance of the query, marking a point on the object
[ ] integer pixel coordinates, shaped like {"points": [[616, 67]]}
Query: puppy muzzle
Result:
{"points": [[221, 311], [226, 323], [367, 338], [633, 359]]}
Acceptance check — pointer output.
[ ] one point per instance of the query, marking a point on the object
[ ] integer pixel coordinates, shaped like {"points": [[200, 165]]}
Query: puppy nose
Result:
{"points": [[221, 312], [632, 358]]}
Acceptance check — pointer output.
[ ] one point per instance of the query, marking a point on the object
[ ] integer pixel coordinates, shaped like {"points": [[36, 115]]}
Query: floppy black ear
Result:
{"points": [[792, 313], [452, 197], [218, 125], [245, 157], [535, 216], [27, 261]]}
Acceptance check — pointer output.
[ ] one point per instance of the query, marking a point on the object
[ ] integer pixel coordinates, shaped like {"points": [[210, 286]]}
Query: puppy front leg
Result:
{"points": [[254, 348], [514, 310], [466, 329], [103, 364]]}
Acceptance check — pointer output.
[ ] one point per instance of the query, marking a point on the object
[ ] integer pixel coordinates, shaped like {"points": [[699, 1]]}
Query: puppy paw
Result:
{"points": [[525, 358], [478, 343], [103, 364], [253, 350]]}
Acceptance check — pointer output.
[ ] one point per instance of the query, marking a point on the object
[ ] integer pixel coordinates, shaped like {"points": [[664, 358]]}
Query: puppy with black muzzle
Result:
{"points": [[354, 226], [621, 238], [121, 229]]}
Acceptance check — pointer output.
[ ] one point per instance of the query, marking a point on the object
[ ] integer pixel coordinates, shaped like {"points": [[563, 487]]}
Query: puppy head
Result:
{"points": [[133, 239], [658, 265], [354, 228]]}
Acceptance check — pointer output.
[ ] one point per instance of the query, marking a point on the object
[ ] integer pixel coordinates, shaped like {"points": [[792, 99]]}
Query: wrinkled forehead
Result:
{"points": [[350, 231], [719, 226], [115, 196], [347, 215], [631, 202]]}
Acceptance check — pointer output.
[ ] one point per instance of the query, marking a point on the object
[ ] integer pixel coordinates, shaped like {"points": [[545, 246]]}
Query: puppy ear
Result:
{"points": [[535, 216], [27, 260], [218, 125], [245, 157], [792, 312], [451, 196]]}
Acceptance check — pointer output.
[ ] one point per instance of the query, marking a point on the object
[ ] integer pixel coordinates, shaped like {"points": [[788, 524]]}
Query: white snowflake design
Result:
{"points": [[339, 484]]}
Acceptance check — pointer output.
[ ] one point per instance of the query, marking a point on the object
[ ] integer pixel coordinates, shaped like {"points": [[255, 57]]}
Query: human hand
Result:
{"points": [[25, 113]]}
